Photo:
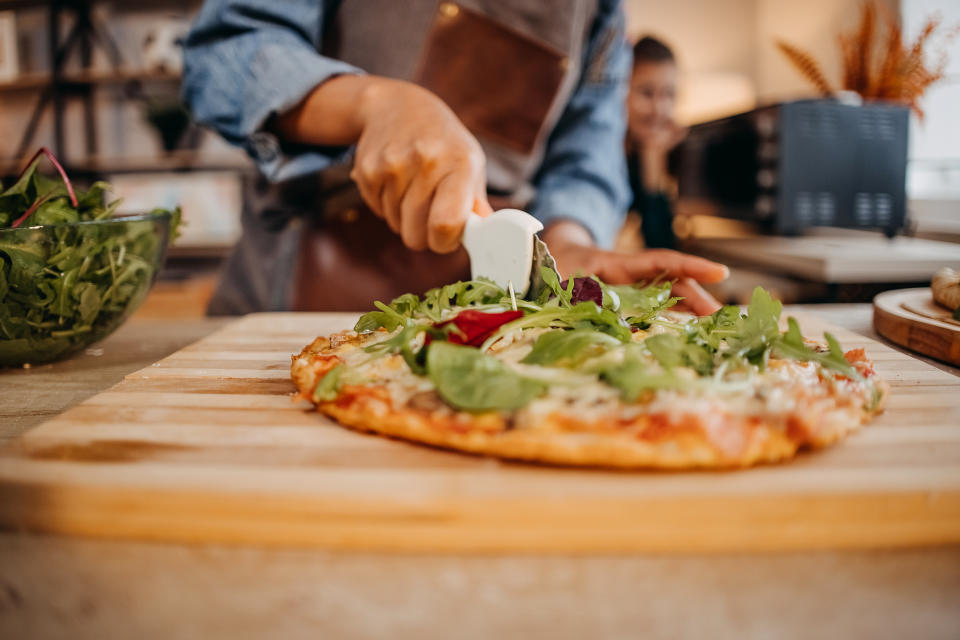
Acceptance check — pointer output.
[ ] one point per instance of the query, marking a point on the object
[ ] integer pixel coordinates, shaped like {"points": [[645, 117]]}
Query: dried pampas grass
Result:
{"points": [[877, 62]]}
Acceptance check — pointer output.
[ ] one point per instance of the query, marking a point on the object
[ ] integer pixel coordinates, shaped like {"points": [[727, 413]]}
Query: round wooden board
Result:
{"points": [[893, 320]]}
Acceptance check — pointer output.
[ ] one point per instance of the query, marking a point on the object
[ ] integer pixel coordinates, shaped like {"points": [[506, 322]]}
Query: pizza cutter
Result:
{"points": [[504, 247]]}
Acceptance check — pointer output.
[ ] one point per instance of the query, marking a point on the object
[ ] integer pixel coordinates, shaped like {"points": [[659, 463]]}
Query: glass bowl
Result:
{"points": [[65, 286]]}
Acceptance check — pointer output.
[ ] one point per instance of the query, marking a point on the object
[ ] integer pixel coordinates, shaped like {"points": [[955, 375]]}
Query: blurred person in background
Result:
{"points": [[651, 135], [378, 125]]}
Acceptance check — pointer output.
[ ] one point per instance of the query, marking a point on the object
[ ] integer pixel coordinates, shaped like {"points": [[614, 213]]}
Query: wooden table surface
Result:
{"points": [[65, 587]]}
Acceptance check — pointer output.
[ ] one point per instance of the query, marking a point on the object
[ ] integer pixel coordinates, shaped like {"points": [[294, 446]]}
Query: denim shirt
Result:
{"points": [[246, 60]]}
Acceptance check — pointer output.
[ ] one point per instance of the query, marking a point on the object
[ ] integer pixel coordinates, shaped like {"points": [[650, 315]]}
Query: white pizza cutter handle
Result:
{"points": [[500, 246]]}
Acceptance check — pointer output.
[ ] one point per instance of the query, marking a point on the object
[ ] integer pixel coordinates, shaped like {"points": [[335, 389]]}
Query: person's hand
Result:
{"points": [[653, 141], [416, 165], [659, 136], [573, 248]]}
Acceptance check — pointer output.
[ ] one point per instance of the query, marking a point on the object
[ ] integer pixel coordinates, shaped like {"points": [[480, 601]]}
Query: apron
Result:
{"points": [[507, 69]]}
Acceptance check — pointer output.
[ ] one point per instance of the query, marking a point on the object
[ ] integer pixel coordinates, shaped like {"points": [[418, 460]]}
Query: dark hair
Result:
{"points": [[649, 49]]}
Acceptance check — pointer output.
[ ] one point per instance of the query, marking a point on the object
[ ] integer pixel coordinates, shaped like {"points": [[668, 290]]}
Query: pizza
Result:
{"points": [[589, 374]]}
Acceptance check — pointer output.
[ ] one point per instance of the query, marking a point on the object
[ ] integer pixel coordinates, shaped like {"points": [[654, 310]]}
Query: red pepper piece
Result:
{"points": [[476, 326]]}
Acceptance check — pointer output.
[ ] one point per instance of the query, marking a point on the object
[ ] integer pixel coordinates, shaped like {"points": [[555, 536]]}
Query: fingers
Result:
{"points": [[433, 212], [369, 180], [452, 202], [656, 262], [395, 184], [613, 272], [414, 210], [424, 192], [695, 297]]}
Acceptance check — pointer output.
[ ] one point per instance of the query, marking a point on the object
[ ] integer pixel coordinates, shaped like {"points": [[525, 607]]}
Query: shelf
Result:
{"points": [[35, 81], [175, 161]]}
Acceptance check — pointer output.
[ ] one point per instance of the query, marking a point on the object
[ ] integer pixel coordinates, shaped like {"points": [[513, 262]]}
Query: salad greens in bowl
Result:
{"points": [[70, 271]]}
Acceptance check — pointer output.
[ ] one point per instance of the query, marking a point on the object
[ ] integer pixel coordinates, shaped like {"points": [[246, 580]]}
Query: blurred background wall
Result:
{"points": [[726, 48]]}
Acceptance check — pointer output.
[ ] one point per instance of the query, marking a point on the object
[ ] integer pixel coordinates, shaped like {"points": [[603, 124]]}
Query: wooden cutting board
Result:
{"points": [[207, 446], [910, 318]]}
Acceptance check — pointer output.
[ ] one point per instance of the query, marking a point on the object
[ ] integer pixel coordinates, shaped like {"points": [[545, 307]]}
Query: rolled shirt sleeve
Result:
{"points": [[246, 60], [583, 176]]}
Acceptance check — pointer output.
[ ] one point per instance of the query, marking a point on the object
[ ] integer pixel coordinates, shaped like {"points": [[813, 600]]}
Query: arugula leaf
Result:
{"points": [[326, 389], [470, 380], [435, 302], [640, 305], [712, 330], [388, 318], [584, 315], [791, 345], [569, 348], [554, 288], [672, 350], [756, 332], [402, 343], [460, 294], [763, 313]]}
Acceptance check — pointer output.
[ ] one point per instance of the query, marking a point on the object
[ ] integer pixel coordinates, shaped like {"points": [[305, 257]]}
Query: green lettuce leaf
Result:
{"points": [[470, 380], [569, 348]]}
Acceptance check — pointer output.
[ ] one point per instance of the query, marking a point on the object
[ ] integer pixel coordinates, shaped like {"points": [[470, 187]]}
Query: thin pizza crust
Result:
{"points": [[715, 437]]}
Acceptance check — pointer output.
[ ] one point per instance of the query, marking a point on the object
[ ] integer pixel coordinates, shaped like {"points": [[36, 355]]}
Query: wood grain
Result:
{"points": [[206, 446], [28, 399], [895, 321]]}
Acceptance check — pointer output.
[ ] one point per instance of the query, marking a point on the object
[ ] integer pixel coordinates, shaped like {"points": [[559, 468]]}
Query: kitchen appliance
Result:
{"points": [[800, 164]]}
